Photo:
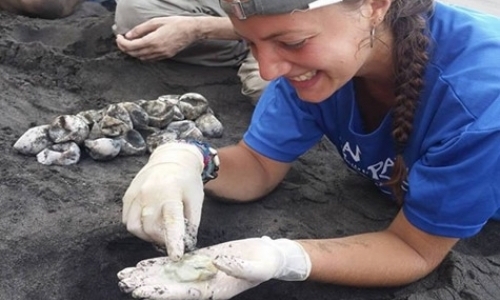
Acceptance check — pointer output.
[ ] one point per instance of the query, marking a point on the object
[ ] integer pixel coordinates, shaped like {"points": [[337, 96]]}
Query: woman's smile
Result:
{"points": [[305, 80]]}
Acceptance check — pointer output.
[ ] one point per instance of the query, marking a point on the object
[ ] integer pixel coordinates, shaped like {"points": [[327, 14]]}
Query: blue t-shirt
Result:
{"points": [[453, 154]]}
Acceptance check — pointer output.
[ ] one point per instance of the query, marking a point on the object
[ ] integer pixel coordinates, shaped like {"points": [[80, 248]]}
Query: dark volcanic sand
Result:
{"points": [[61, 236]]}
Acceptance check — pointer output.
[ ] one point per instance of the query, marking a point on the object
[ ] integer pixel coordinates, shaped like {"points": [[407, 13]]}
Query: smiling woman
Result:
{"points": [[299, 46]]}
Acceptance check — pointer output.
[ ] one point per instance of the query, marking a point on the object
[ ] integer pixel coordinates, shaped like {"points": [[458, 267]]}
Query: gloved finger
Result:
{"points": [[173, 291], [243, 269], [147, 273], [190, 236], [125, 273], [220, 288], [152, 224], [190, 239], [174, 227], [128, 200], [193, 203], [129, 284], [229, 287], [134, 221], [157, 261], [133, 194], [151, 292], [133, 278]]}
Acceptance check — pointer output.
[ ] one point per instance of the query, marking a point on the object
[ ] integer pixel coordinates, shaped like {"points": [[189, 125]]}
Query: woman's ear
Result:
{"points": [[375, 10]]}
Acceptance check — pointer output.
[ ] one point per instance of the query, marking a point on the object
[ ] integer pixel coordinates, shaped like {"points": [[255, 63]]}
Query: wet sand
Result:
{"points": [[61, 236]]}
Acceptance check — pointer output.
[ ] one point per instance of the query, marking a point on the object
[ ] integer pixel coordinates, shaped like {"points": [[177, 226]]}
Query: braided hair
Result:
{"points": [[407, 19]]}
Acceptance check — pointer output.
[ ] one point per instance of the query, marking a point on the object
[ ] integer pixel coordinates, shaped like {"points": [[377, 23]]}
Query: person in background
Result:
{"points": [[46, 9], [196, 32], [408, 92]]}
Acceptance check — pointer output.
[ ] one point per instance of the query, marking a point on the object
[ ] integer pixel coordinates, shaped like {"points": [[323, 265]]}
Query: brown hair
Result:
{"points": [[407, 19]]}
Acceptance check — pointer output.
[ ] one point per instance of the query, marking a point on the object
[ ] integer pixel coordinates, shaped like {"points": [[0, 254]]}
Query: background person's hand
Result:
{"points": [[159, 38], [164, 201], [242, 265]]}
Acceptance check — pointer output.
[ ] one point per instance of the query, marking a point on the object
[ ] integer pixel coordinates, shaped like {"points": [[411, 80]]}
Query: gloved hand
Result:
{"points": [[164, 201], [241, 265]]}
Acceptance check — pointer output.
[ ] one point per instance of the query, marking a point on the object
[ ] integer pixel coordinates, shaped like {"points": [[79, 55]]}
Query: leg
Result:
{"points": [[252, 84]]}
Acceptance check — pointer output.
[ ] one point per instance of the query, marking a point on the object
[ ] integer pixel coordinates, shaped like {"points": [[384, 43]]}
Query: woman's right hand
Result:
{"points": [[164, 201]]}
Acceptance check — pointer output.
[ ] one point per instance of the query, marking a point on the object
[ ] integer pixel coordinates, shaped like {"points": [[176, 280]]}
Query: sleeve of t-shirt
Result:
{"points": [[281, 127], [454, 187]]}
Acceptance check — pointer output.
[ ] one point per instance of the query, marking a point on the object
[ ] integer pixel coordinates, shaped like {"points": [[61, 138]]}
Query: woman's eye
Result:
{"points": [[294, 45]]}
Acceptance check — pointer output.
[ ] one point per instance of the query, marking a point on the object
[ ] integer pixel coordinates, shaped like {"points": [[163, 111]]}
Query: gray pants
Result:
{"points": [[214, 53]]}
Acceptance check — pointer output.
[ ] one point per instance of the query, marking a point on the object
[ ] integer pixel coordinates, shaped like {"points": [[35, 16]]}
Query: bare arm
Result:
{"points": [[245, 175], [398, 255], [164, 37], [215, 28]]}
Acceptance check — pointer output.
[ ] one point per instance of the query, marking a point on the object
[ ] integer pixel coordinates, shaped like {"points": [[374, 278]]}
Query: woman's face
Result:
{"points": [[317, 51]]}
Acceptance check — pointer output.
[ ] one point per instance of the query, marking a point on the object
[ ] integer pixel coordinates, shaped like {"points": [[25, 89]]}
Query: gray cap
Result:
{"points": [[243, 9]]}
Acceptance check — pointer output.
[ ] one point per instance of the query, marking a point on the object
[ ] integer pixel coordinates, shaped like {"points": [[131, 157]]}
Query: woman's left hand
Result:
{"points": [[240, 265]]}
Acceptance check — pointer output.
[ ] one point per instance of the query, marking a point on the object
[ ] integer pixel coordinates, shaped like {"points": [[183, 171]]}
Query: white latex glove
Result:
{"points": [[159, 38], [242, 265], [164, 201]]}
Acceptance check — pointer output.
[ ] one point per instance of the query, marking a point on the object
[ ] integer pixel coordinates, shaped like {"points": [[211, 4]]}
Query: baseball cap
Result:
{"points": [[243, 9]]}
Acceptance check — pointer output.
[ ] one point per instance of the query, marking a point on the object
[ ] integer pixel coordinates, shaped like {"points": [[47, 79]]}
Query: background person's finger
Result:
{"points": [[142, 29], [130, 46]]}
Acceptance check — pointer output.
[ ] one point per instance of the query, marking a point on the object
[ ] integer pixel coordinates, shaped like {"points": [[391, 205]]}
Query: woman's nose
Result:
{"points": [[271, 64]]}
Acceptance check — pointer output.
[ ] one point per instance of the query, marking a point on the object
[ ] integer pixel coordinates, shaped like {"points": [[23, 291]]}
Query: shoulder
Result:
{"points": [[458, 34], [465, 45]]}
